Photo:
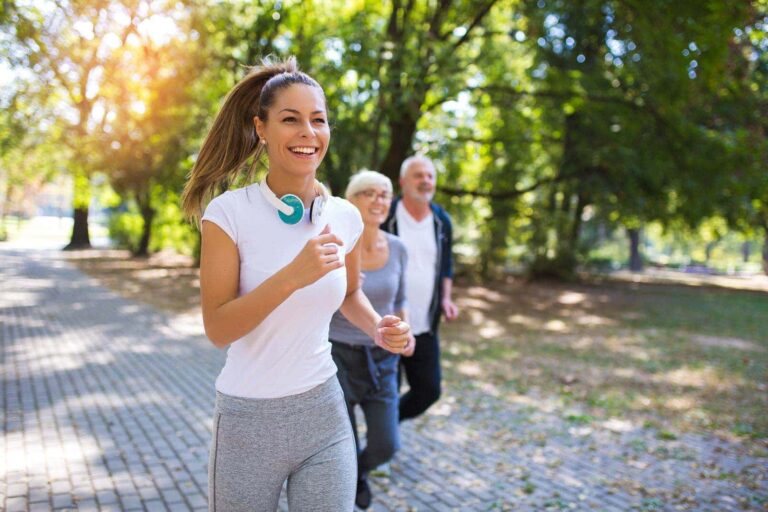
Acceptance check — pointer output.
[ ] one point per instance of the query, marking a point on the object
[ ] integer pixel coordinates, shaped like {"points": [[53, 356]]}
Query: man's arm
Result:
{"points": [[450, 310]]}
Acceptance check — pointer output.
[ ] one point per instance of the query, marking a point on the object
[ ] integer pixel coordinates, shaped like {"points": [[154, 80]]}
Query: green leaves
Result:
{"points": [[536, 112]]}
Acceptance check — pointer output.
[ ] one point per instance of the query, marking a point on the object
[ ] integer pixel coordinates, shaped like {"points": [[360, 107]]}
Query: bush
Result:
{"points": [[169, 229], [125, 229]]}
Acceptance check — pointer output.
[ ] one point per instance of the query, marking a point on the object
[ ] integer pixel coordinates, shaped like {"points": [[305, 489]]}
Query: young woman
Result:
{"points": [[367, 373], [278, 258]]}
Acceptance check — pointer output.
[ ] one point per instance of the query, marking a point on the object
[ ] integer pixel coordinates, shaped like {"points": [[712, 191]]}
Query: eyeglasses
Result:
{"points": [[372, 194]]}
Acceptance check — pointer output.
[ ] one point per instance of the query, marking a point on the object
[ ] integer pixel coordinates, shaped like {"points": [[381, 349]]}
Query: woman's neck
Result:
{"points": [[371, 237], [281, 183]]}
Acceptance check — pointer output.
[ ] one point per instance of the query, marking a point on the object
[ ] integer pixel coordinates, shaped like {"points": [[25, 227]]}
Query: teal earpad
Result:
{"points": [[298, 209]]}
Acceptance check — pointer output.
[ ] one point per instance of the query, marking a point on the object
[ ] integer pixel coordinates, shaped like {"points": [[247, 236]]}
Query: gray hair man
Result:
{"points": [[427, 232]]}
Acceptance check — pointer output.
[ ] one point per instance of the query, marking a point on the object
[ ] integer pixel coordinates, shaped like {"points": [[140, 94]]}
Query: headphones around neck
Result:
{"points": [[290, 209]]}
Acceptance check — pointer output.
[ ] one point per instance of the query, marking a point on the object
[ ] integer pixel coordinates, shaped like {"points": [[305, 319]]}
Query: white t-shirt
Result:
{"points": [[287, 353], [419, 240]]}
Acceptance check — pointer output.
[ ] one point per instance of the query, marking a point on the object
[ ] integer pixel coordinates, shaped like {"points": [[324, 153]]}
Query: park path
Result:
{"points": [[106, 405]]}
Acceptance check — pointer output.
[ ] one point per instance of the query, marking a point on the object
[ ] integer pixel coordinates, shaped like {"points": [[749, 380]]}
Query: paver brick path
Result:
{"points": [[106, 405]]}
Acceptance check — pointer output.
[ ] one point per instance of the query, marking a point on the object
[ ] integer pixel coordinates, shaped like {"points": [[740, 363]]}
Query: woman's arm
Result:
{"points": [[389, 332], [226, 316]]}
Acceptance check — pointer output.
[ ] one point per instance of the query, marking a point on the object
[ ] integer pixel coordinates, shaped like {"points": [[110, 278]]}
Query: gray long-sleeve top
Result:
{"points": [[384, 287]]}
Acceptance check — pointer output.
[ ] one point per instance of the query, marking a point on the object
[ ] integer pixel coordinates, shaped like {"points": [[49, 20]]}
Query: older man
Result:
{"points": [[425, 229]]}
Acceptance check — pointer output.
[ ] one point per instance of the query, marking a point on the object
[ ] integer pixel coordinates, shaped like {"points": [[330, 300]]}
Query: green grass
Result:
{"points": [[710, 311], [672, 357]]}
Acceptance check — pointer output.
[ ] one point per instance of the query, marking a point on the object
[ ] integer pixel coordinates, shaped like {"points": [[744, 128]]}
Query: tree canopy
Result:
{"points": [[551, 121]]}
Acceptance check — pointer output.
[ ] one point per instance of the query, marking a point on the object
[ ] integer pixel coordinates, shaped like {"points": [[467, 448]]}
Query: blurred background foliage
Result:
{"points": [[566, 132]]}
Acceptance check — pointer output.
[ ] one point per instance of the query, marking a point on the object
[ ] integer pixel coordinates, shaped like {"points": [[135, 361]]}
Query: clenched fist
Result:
{"points": [[319, 256], [392, 334]]}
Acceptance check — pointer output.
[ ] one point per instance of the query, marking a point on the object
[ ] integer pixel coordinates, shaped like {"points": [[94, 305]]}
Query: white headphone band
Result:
{"points": [[323, 191], [289, 210], [272, 198]]}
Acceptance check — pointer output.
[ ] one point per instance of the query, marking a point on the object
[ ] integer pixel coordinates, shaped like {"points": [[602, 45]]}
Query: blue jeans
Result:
{"points": [[368, 377]]}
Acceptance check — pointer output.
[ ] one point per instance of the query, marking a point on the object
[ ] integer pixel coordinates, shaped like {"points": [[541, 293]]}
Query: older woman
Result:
{"points": [[368, 373]]}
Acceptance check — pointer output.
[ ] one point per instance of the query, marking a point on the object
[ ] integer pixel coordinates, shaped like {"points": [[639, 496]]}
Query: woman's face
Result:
{"points": [[296, 130], [373, 203]]}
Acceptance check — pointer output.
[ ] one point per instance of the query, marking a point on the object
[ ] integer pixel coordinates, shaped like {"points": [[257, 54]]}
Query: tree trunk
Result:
{"points": [[144, 200], [567, 224], [493, 255], [635, 258], [377, 132], [581, 203], [81, 199], [746, 249], [708, 251], [401, 136], [147, 214], [80, 239]]}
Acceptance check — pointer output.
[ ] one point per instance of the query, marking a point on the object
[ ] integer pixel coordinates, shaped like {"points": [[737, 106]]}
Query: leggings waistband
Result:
{"points": [[318, 395]]}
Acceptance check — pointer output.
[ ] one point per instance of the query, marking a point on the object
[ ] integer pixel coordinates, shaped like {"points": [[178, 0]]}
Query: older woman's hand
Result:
{"points": [[392, 334]]}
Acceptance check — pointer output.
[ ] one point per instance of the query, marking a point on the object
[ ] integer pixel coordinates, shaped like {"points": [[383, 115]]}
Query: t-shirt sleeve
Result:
{"points": [[355, 228], [220, 212], [401, 301]]}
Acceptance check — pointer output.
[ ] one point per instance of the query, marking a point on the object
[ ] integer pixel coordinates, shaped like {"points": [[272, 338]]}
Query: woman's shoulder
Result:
{"points": [[395, 242], [340, 203], [231, 198], [393, 239]]}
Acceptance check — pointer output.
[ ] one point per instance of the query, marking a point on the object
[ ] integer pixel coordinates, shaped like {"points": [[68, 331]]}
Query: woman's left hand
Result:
{"points": [[392, 334]]}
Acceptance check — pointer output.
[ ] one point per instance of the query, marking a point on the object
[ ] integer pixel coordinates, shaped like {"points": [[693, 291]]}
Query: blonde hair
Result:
{"points": [[366, 179], [232, 139]]}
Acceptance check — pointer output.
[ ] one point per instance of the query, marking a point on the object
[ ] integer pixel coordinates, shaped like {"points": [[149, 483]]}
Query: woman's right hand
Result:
{"points": [[319, 256]]}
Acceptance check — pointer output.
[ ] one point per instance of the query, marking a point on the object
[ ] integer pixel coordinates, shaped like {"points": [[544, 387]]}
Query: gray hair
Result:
{"points": [[366, 179], [412, 160]]}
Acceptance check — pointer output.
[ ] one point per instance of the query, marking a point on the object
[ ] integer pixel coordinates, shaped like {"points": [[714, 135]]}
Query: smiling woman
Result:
{"points": [[298, 138], [268, 258]]}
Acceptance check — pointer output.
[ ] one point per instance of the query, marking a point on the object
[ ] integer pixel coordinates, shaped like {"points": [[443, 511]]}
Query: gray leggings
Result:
{"points": [[259, 443]]}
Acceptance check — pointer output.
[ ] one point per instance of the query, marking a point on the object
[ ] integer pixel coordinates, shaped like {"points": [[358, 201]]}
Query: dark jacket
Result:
{"points": [[444, 238]]}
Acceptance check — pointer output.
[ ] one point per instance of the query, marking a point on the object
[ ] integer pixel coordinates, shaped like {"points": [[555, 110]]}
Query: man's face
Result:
{"points": [[418, 183]]}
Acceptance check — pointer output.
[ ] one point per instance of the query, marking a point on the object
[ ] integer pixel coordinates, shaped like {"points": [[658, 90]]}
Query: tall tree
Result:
{"points": [[155, 111], [739, 119], [27, 139], [625, 75], [69, 46]]}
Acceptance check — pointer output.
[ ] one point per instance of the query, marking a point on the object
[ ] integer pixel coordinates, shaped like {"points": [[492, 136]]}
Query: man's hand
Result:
{"points": [[410, 348], [450, 310]]}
